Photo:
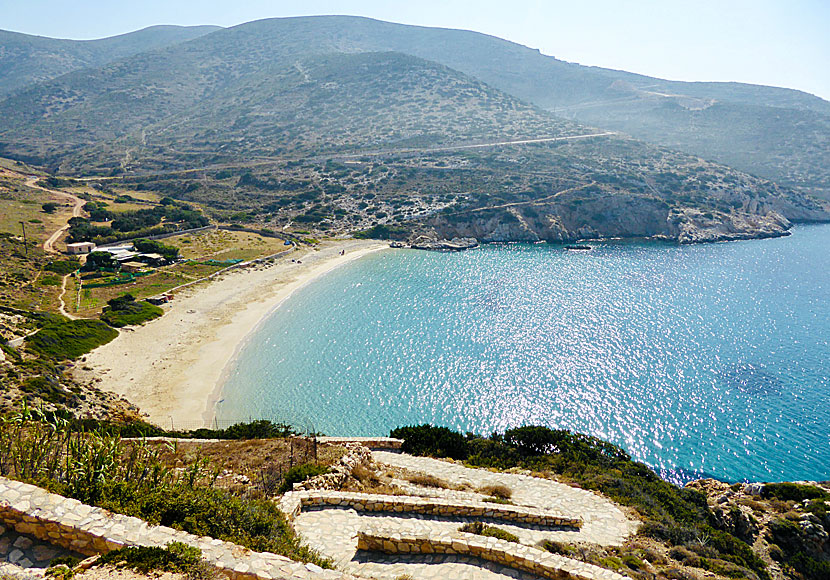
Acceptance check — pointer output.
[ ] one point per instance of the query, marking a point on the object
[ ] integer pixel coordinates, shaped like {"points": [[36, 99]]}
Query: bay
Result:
{"points": [[698, 360]]}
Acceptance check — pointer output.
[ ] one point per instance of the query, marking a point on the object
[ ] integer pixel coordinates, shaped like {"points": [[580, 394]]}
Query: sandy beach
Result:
{"points": [[173, 367]]}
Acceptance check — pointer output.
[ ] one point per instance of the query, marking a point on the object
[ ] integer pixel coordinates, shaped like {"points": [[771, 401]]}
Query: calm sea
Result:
{"points": [[709, 359]]}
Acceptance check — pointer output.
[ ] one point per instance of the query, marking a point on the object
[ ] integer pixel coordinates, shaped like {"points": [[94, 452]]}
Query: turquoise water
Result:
{"points": [[708, 359]]}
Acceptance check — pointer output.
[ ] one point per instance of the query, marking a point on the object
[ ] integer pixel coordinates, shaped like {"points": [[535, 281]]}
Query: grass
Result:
{"points": [[428, 481], [501, 492], [69, 339]]}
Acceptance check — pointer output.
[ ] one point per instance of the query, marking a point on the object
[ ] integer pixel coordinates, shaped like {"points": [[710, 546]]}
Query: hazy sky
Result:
{"points": [[773, 42]]}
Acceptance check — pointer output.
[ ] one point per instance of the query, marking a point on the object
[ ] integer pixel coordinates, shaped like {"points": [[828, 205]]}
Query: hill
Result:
{"points": [[269, 127], [27, 59]]}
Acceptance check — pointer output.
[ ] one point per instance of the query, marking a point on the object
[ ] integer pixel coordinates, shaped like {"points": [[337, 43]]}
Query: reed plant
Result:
{"points": [[130, 477]]}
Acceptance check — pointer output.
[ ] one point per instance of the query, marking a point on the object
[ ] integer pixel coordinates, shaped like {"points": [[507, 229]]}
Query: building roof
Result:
{"points": [[81, 245], [152, 256]]}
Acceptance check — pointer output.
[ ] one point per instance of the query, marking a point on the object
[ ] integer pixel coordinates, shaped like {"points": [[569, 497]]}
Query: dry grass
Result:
{"points": [[497, 491], [248, 463], [428, 481]]}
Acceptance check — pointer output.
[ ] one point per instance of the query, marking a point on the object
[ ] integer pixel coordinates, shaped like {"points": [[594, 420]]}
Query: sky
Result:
{"points": [[772, 42]]}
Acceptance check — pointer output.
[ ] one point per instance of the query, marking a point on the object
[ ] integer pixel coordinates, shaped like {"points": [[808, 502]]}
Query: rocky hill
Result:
{"points": [[27, 59], [294, 123]]}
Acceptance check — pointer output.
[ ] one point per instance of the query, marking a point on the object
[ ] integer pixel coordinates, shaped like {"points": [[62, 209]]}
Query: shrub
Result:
{"points": [[49, 207], [793, 492], [490, 531], [428, 481], [429, 440], [63, 267], [69, 339], [300, 473], [50, 281], [497, 491], [126, 311], [176, 557]]}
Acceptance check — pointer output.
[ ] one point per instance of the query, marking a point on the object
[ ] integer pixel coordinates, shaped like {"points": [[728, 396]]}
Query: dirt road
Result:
{"points": [[77, 208]]}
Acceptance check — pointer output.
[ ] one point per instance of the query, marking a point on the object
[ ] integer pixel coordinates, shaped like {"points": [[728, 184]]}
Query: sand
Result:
{"points": [[172, 368]]}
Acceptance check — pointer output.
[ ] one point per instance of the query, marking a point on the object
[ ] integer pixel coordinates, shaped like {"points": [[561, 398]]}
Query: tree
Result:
{"points": [[98, 260], [49, 207]]}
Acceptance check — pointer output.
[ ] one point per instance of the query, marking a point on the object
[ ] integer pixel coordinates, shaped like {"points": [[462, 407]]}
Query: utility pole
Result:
{"points": [[25, 243]]}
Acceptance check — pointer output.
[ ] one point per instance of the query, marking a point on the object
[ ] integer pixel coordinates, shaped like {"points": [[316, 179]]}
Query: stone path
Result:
{"points": [[333, 531], [604, 522]]}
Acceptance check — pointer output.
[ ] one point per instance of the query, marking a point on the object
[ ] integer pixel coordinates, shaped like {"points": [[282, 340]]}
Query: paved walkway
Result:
{"points": [[333, 530], [604, 522]]}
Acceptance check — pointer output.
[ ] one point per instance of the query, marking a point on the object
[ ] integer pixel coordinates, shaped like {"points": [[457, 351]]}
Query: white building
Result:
{"points": [[80, 248]]}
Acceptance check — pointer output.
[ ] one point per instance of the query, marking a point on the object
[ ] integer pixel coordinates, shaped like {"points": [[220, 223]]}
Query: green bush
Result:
{"points": [[429, 440], [176, 557], [69, 339], [49, 281], [300, 473], [489, 531], [126, 311], [63, 267], [793, 492]]}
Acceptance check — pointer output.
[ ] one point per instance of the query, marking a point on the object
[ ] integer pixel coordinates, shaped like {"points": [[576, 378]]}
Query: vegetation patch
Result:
{"points": [[130, 479], [176, 557], [300, 473], [793, 492], [490, 531], [69, 339], [126, 311]]}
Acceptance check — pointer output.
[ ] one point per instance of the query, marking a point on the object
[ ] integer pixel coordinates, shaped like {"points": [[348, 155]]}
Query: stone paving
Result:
{"points": [[604, 522], [90, 530], [523, 558], [334, 530]]}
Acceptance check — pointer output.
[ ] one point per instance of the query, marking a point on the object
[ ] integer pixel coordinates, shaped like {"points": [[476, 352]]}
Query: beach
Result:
{"points": [[173, 367]]}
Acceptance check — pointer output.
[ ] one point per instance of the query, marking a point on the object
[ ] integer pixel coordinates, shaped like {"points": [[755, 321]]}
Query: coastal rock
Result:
{"points": [[740, 215], [443, 245]]}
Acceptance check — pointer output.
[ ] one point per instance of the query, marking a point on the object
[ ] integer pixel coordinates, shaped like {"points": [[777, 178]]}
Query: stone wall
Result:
{"points": [[292, 503], [356, 454], [523, 558], [89, 530]]}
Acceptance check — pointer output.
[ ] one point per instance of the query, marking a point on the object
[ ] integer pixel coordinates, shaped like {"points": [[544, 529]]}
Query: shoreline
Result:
{"points": [[174, 368]]}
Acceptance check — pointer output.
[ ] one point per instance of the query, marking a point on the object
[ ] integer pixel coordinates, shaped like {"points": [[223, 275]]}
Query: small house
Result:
{"points": [[152, 259], [80, 248]]}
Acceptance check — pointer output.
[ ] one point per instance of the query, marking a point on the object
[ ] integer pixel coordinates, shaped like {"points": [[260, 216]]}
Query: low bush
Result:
{"points": [[63, 267], [793, 492], [69, 339], [428, 481], [429, 440], [490, 531], [176, 557], [497, 491], [126, 311], [300, 473]]}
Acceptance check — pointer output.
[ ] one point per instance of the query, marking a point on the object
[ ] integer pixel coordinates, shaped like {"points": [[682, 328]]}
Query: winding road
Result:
{"points": [[49, 244], [77, 208]]}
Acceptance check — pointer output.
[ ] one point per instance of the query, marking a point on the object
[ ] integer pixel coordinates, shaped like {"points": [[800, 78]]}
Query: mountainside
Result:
{"points": [[289, 123], [27, 59], [780, 134], [723, 122]]}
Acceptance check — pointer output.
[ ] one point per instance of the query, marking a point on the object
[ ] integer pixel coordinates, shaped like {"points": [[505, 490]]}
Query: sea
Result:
{"points": [[707, 360]]}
